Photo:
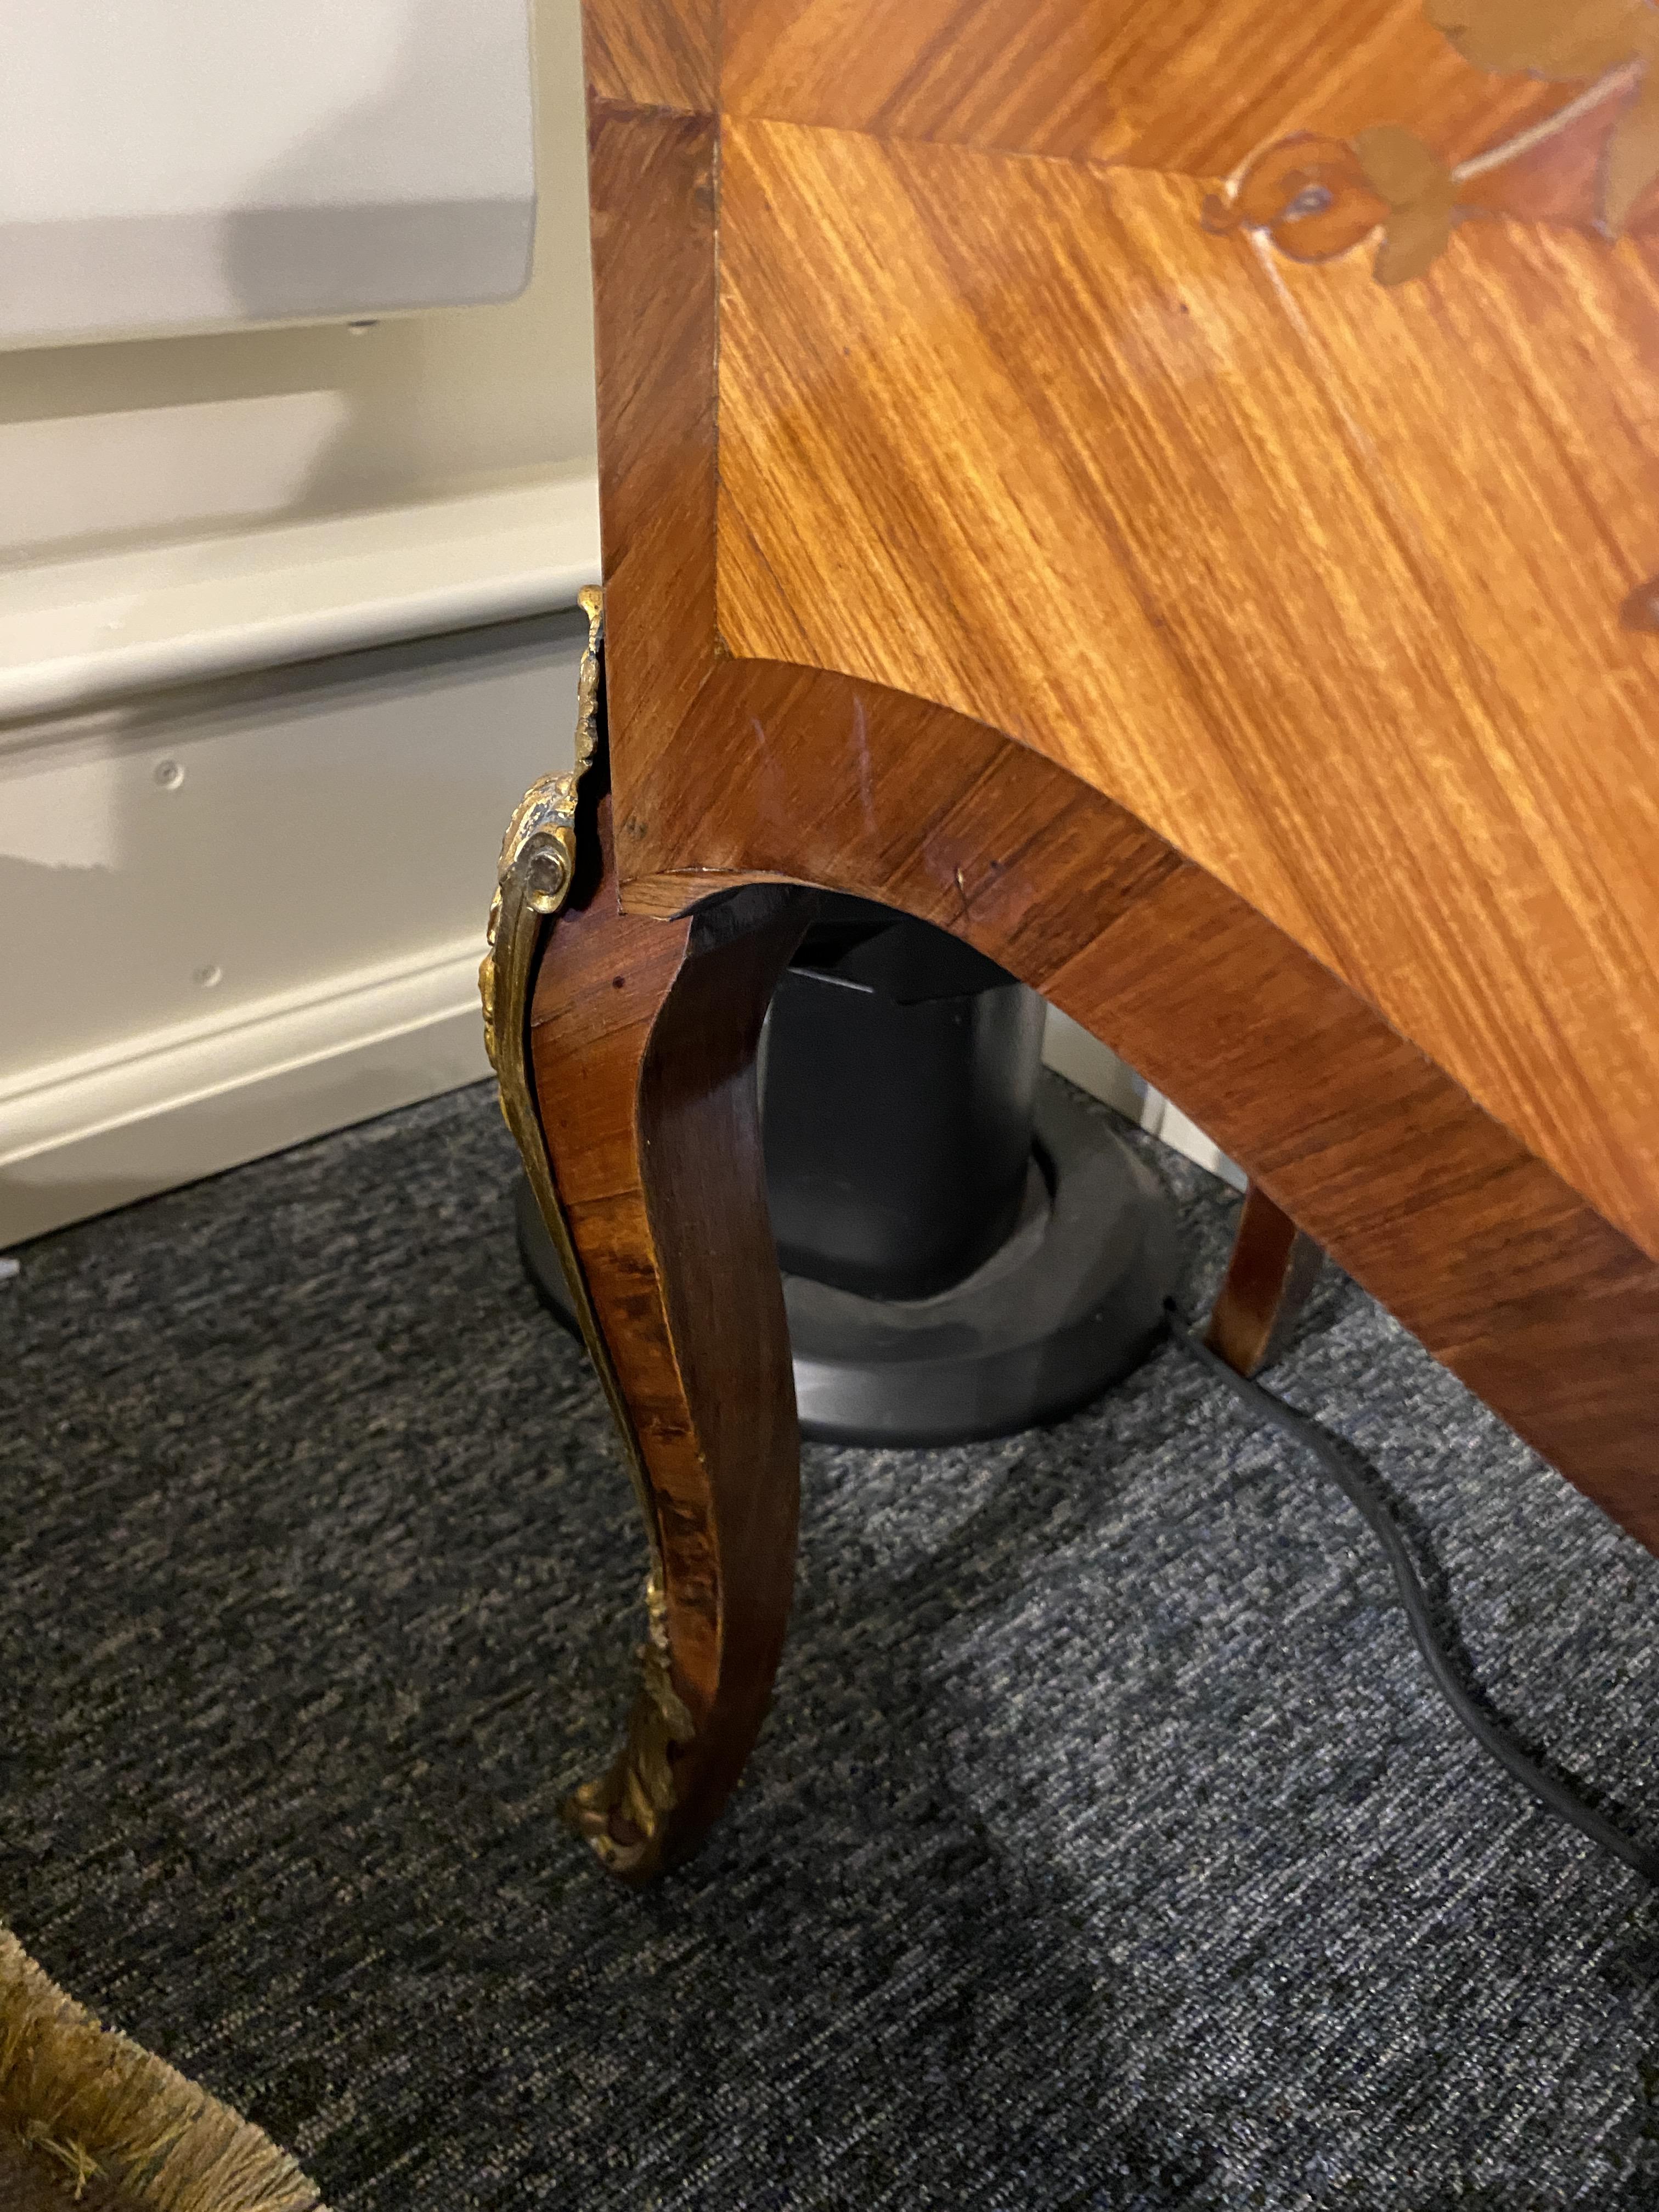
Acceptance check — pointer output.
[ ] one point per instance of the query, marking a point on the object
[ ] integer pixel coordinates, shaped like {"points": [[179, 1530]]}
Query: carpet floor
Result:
{"points": [[1106, 1846]]}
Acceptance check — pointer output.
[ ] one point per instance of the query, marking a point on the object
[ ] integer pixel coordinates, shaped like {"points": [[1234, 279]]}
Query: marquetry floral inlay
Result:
{"points": [[1593, 162]]}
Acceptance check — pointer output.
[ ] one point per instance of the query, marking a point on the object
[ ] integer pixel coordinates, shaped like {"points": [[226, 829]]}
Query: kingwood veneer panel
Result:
{"points": [[1321, 578], [1194, 85]]}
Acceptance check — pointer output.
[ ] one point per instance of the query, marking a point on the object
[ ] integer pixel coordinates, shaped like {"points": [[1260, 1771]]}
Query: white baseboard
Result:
{"points": [[85, 1135], [76, 633]]}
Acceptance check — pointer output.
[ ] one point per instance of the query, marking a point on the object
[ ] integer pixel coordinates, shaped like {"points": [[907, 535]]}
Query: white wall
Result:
{"points": [[237, 913], [171, 165], [150, 846], [125, 444]]}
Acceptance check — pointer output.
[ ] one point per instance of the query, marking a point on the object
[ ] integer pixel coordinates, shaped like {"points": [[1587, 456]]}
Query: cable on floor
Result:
{"points": [[1362, 1487]]}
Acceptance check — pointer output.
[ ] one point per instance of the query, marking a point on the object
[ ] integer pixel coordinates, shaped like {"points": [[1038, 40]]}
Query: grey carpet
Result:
{"points": [[1105, 1847]]}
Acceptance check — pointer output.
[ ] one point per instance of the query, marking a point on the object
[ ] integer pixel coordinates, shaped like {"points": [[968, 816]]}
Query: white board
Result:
{"points": [[172, 164]]}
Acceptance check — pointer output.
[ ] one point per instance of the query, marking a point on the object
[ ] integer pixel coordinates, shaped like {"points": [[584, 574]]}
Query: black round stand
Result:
{"points": [[968, 1246]]}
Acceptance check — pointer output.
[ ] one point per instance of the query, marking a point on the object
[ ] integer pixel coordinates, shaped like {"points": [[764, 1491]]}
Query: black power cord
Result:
{"points": [[1361, 1487]]}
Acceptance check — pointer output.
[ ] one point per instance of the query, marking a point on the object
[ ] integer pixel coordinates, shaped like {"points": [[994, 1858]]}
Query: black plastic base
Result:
{"points": [[1070, 1304]]}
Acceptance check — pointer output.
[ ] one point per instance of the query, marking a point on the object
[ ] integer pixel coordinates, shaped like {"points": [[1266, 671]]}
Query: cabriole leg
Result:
{"points": [[626, 1049], [1273, 1268]]}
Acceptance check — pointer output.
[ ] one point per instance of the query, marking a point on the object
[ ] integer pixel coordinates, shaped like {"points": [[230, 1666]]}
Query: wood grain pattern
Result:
{"points": [[978, 442], [801, 775], [1273, 1267], [656, 323], [1502, 1271], [643, 1039], [653, 53], [1187, 86], [1244, 545]]}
